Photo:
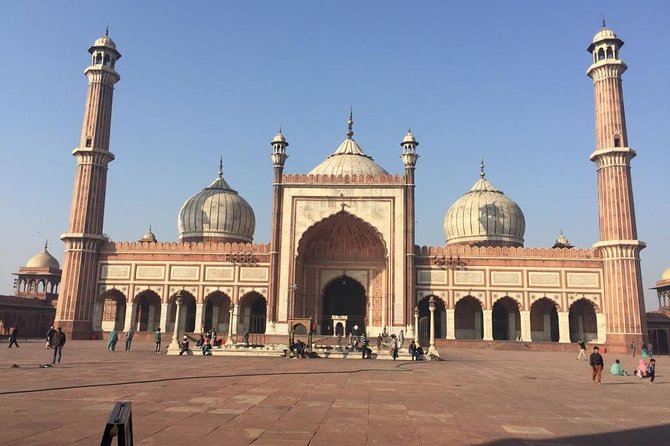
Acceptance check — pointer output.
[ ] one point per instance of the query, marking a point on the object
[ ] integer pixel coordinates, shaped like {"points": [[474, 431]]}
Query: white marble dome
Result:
{"points": [[349, 159], [605, 34], [43, 260], [217, 213], [484, 216], [666, 274]]}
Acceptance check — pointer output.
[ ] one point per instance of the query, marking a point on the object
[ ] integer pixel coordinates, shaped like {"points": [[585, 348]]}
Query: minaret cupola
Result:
{"points": [[103, 52], [409, 145], [279, 144]]}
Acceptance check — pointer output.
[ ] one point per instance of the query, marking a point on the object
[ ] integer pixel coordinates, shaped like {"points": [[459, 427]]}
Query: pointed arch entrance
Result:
{"points": [[341, 267], [148, 311], [111, 310], [344, 296]]}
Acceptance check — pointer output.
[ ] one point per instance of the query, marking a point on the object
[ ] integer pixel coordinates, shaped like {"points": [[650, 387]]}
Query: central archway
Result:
{"points": [[340, 270], [344, 296]]}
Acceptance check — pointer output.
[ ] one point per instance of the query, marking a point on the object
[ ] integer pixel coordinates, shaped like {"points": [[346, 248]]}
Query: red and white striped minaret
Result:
{"points": [[84, 235], [624, 297]]}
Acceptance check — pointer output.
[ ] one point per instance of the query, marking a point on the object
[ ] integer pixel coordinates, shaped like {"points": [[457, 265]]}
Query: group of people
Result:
{"points": [[644, 369], [130, 333]]}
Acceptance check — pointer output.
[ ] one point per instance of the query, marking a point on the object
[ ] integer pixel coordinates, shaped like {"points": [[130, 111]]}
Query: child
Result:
{"points": [[616, 369]]}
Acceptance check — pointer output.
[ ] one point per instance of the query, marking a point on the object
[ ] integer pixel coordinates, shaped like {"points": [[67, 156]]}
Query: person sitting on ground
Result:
{"points": [[200, 341], [207, 346], [616, 369], [419, 352], [183, 345], [300, 349], [644, 353], [412, 350], [641, 370]]}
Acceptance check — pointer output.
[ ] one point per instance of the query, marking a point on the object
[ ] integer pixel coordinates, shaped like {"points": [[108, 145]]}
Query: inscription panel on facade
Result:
{"points": [[431, 276], [543, 279], [506, 278], [583, 280], [253, 274], [219, 273], [150, 272], [184, 272], [469, 277], [115, 272]]}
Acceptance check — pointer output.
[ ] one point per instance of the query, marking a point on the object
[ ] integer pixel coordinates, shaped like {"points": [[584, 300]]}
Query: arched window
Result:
{"points": [[617, 141], [98, 58], [106, 59], [601, 54], [610, 53]]}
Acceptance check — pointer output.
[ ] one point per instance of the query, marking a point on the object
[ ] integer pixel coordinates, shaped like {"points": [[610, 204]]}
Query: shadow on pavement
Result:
{"points": [[654, 435]]}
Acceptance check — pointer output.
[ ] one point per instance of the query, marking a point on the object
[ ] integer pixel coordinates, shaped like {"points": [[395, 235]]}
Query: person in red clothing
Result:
{"points": [[597, 364]]}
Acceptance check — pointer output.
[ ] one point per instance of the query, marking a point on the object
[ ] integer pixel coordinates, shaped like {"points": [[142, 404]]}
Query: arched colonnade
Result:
{"points": [[146, 311], [507, 319]]}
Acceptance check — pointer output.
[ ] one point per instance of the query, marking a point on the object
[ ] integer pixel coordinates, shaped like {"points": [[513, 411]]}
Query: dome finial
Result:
{"points": [[46, 245], [221, 167], [604, 22], [107, 30], [482, 174], [350, 123]]}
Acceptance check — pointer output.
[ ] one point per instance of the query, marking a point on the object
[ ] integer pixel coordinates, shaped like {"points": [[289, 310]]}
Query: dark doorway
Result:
{"points": [[505, 328], [344, 297]]}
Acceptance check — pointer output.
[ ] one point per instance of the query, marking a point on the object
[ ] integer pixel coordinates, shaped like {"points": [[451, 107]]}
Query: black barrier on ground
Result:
{"points": [[119, 425]]}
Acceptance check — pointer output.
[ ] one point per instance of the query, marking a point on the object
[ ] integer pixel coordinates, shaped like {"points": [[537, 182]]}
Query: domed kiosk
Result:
{"points": [[217, 213], [484, 216]]}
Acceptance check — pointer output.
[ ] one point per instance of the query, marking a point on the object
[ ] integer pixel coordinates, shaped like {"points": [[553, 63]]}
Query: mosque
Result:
{"points": [[342, 246]]}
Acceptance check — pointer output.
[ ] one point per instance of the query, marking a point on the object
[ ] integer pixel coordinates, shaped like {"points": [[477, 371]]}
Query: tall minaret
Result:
{"points": [[624, 298], [278, 157], [84, 235], [409, 159]]}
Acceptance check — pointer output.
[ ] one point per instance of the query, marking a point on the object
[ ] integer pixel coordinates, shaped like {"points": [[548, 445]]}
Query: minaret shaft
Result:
{"points": [[78, 294], [622, 278]]}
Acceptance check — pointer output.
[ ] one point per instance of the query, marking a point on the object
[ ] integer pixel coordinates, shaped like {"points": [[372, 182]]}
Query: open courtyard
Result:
{"points": [[473, 397]]}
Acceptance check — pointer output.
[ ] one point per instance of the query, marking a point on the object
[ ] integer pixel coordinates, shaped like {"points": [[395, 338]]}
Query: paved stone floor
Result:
{"points": [[474, 397]]}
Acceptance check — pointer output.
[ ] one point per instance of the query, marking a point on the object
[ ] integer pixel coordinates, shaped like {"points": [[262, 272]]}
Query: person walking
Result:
{"points": [[113, 339], [394, 346], [129, 338], [632, 348], [58, 343], [364, 344], [401, 338], [582, 349], [597, 364], [13, 336], [157, 339], [50, 337]]}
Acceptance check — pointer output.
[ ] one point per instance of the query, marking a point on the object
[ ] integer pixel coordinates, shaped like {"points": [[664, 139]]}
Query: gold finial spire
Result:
{"points": [[350, 124], [221, 167], [481, 169]]}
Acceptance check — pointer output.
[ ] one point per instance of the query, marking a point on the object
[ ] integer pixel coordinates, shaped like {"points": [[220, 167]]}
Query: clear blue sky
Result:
{"points": [[501, 80]]}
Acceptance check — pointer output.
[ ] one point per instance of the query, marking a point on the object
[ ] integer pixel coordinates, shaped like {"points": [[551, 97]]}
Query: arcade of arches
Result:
{"points": [[146, 312], [507, 320], [341, 271]]}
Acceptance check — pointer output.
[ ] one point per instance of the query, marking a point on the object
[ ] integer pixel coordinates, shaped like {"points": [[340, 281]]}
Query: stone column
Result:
{"points": [[511, 327], [174, 345], [231, 320], [151, 324], [488, 325], [601, 323], [525, 326], [431, 307], [451, 323], [478, 325], [198, 318], [564, 327], [416, 326], [130, 315], [164, 317]]}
